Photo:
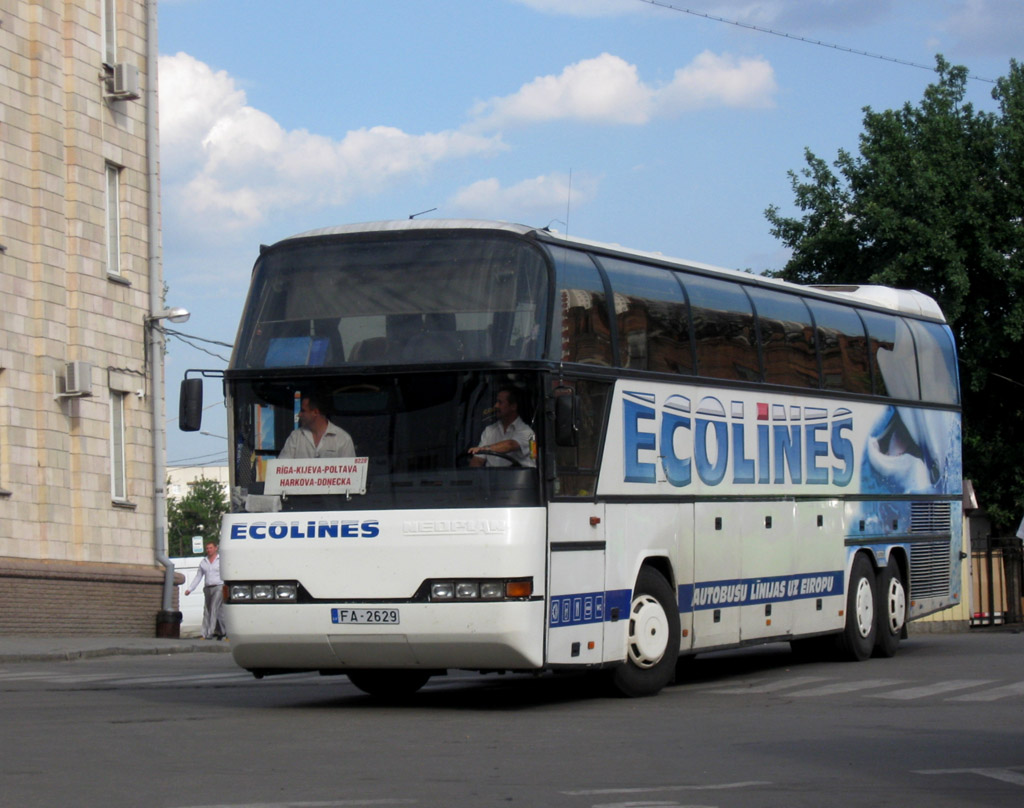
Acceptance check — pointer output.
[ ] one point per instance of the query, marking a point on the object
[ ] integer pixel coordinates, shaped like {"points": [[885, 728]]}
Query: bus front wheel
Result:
{"points": [[892, 611], [388, 684], [857, 641], [652, 645]]}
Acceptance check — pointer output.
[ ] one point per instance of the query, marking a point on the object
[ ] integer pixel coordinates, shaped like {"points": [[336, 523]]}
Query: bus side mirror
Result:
{"points": [[190, 405], [566, 427]]}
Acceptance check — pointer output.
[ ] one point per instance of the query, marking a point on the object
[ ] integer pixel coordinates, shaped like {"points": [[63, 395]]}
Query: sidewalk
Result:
{"points": [[41, 649]]}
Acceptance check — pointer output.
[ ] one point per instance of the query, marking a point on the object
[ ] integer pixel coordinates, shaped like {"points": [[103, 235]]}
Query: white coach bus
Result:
{"points": [[711, 459]]}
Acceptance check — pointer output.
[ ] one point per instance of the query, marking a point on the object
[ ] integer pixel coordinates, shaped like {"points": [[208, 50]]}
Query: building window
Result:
{"points": [[109, 32], [118, 477], [113, 219]]}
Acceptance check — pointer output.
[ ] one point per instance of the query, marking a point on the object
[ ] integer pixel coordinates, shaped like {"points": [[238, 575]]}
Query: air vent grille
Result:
{"points": [[929, 570], [930, 517]]}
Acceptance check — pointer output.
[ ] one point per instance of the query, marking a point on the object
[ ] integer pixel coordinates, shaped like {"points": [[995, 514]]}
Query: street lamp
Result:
{"points": [[168, 621], [174, 315]]}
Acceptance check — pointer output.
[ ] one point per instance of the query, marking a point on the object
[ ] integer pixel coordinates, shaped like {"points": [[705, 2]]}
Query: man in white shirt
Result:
{"points": [[508, 435], [213, 593], [316, 435]]}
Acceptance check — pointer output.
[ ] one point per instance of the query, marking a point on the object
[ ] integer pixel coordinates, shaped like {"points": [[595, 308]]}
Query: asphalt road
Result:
{"points": [[942, 724]]}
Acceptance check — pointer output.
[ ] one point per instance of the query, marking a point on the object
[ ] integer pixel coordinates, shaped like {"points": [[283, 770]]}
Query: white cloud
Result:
{"points": [[583, 8], [712, 80], [227, 164], [795, 15], [607, 89], [547, 194], [981, 27]]}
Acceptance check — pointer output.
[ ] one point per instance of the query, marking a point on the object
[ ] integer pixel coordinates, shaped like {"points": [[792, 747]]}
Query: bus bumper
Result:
{"points": [[472, 636]]}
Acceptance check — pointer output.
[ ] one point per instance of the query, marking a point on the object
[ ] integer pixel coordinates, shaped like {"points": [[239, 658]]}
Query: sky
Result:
{"points": [[662, 126]]}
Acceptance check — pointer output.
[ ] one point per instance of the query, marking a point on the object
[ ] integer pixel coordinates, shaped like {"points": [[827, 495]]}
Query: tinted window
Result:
{"points": [[843, 347], [576, 467], [651, 316], [724, 328], [580, 331], [787, 339], [392, 300], [892, 356], [936, 360]]}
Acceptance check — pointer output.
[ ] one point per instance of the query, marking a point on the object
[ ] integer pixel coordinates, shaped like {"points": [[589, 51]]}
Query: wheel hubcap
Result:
{"points": [[865, 607], [896, 606], [648, 632]]}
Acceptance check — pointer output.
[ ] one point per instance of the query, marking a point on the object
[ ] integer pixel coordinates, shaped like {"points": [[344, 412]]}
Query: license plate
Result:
{"points": [[365, 616]]}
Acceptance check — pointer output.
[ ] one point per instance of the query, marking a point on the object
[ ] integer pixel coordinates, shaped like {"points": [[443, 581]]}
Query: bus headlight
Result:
{"points": [[262, 592], [287, 592], [477, 589]]}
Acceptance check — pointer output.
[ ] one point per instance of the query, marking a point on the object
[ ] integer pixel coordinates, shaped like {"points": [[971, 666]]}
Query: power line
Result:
{"points": [[807, 40], [187, 339], [208, 459], [207, 407]]}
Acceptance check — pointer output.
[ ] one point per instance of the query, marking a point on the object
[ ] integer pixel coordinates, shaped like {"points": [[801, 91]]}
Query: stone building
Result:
{"points": [[80, 525]]}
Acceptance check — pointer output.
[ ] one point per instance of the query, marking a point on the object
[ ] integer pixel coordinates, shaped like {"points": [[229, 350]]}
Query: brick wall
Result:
{"points": [[49, 599]]}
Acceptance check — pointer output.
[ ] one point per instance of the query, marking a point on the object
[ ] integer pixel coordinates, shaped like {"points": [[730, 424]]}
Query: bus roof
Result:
{"points": [[906, 301]]}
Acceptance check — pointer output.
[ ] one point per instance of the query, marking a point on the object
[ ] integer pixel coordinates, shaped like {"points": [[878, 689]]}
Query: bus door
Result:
{"points": [[717, 591], [768, 568], [577, 598]]}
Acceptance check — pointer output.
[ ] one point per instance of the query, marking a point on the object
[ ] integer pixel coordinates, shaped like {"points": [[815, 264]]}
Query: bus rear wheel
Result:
{"points": [[387, 683], [892, 611], [652, 645], [857, 641]]}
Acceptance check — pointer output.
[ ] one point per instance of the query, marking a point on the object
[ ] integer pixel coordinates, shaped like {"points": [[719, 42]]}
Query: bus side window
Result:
{"points": [[936, 359], [581, 331], [787, 339], [892, 356], [652, 318], [724, 328], [576, 467], [843, 348]]}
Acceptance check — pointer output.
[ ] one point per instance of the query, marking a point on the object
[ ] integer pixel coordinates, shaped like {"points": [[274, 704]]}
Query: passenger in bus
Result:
{"points": [[508, 435], [316, 435]]}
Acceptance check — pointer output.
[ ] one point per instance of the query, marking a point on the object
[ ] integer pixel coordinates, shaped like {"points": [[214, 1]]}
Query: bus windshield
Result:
{"points": [[412, 431], [388, 300]]}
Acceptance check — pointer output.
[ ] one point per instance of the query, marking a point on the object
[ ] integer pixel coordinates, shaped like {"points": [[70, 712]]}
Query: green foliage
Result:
{"points": [[197, 513], [935, 201]]}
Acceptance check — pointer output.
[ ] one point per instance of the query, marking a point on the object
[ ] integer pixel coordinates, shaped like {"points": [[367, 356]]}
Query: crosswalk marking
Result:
{"points": [[119, 680], [762, 686], [934, 689], [844, 687], [156, 680], [1004, 775], [804, 687], [1014, 689]]}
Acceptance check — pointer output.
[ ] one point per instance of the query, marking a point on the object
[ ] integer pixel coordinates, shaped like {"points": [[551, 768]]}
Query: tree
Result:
{"points": [[935, 201], [197, 513]]}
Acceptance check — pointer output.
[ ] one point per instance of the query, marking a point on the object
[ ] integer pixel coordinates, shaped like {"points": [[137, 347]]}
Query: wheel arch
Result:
{"points": [[661, 564]]}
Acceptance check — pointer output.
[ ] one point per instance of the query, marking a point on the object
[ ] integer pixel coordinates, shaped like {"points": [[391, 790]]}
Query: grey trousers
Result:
{"points": [[213, 622]]}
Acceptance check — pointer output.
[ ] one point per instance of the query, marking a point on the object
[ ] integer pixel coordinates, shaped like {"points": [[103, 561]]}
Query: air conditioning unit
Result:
{"points": [[78, 379], [123, 85]]}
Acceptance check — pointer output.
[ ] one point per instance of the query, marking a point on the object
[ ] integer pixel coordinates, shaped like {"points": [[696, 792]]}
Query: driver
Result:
{"points": [[508, 435]]}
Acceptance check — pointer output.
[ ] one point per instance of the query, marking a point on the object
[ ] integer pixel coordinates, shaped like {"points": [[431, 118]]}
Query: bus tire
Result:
{"points": [[388, 683], [652, 645], [857, 641], [892, 609]]}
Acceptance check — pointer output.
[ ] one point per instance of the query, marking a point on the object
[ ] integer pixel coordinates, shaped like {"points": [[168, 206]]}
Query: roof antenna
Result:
{"points": [[568, 202], [414, 215]]}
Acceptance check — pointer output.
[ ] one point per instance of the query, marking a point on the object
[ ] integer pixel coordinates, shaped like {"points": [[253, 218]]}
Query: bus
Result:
{"points": [[706, 459]]}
